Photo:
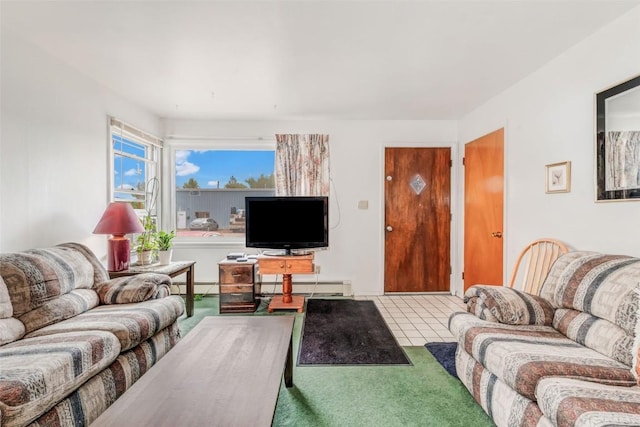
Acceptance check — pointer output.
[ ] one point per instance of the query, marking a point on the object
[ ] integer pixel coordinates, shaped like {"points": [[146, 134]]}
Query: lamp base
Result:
{"points": [[119, 253]]}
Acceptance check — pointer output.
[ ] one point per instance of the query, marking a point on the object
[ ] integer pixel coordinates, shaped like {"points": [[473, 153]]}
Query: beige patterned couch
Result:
{"points": [[566, 358], [71, 340]]}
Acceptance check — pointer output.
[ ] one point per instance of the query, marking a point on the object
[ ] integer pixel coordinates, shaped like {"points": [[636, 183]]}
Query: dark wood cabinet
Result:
{"points": [[239, 286]]}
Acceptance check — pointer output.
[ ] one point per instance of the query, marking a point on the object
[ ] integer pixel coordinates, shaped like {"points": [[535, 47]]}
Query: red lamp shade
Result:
{"points": [[118, 219]]}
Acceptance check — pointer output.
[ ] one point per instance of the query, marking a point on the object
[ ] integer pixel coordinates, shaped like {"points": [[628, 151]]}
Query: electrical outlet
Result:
{"points": [[317, 268]]}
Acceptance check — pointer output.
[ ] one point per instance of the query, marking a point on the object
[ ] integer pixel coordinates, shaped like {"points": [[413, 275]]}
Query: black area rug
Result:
{"points": [[445, 354], [347, 332]]}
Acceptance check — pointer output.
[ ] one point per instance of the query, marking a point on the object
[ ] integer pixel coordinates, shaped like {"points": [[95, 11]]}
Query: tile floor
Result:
{"points": [[417, 319]]}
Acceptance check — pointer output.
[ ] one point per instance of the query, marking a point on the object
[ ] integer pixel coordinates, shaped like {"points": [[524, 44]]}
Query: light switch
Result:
{"points": [[363, 204]]}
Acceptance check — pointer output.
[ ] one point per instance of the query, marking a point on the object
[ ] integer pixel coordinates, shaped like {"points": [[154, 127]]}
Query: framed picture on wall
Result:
{"points": [[558, 177], [618, 142]]}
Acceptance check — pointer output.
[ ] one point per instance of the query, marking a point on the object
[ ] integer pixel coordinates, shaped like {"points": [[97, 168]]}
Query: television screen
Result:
{"points": [[287, 222]]}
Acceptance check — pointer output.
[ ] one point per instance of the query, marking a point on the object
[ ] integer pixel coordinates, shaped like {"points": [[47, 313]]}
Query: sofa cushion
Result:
{"points": [[40, 275], [36, 373], [595, 333], [11, 329], [507, 305], [131, 323], [569, 402], [548, 289], [603, 286], [6, 309], [521, 355], [128, 289], [58, 309], [100, 273]]}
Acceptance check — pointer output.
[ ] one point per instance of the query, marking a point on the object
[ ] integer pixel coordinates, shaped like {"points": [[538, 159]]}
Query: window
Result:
{"points": [[135, 173], [210, 184]]}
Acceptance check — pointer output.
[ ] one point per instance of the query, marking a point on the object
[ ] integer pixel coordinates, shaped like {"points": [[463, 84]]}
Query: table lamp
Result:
{"points": [[118, 219]]}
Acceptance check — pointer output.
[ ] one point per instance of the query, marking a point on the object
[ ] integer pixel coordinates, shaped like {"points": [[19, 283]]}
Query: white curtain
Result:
{"points": [[302, 165]]}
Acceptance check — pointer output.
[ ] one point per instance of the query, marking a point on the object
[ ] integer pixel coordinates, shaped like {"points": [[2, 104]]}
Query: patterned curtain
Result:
{"points": [[302, 165]]}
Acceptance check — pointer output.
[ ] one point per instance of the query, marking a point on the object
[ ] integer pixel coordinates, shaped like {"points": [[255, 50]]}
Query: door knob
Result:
{"points": [[389, 228], [496, 234]]}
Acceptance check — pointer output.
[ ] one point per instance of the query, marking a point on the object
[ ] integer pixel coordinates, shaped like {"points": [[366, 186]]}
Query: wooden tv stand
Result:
{"points": [[286, 265]]}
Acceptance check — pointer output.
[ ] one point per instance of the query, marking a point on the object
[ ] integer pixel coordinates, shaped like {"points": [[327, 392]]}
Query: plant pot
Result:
{"points": [[165, 256], [144, 257]]}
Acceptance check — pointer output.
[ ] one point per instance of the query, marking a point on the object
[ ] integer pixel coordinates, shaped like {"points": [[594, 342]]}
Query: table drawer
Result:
{"points": [[236, 293], [236, 298], [236, 274], [286, 265], [300, 266], [236, 288]]}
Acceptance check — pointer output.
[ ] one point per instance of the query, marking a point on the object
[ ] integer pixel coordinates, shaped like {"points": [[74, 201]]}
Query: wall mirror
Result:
{"points": [[618, 142]]}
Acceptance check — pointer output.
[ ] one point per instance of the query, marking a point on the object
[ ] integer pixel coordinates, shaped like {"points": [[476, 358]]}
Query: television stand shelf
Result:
{"points": [[286, 265]]}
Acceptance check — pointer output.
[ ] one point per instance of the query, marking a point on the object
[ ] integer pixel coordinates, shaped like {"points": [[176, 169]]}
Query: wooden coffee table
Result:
{"points": [[226, 371]]}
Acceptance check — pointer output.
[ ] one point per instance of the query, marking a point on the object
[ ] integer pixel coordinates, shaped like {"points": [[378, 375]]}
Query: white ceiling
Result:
{"points": [[308, 59]]}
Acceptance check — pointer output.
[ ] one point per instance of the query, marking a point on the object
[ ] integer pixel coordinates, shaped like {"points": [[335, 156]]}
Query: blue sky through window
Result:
{"points": [[214, 168], [129, 173]]}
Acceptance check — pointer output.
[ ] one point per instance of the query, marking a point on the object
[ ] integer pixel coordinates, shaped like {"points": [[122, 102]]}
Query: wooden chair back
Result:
{"points": [[535, 260]]}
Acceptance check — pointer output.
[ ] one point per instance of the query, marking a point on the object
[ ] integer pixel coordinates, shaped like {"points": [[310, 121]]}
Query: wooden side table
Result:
{"points": [[172, 270], [286, 265]]}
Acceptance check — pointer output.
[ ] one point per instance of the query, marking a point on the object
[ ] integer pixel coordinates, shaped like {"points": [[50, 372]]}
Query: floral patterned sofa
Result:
{"points": [[568, 357], [71, 340]]}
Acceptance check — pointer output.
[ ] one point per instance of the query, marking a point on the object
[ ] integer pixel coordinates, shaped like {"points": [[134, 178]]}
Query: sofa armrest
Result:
{"points": [[137, 288], [508, 306]]}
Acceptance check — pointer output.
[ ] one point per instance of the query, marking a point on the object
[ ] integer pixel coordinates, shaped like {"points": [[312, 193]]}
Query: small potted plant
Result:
{"points": [[164, 246], [147, 242]]}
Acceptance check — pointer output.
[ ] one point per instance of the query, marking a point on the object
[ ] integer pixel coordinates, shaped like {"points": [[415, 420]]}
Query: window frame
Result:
{"points": [[153, 164], [174, 144]]}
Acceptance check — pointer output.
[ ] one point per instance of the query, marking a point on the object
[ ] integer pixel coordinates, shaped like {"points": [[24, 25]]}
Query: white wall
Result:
{"points": [[53, 170], [548, 118], [356, 162], [53, 157]]}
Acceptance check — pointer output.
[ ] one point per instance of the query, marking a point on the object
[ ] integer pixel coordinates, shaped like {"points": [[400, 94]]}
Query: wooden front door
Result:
{"points": [[483, 210], [417, 219]]}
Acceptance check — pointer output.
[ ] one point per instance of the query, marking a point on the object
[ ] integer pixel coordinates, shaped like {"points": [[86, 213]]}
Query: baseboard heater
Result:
{"points": [[338, 287]]}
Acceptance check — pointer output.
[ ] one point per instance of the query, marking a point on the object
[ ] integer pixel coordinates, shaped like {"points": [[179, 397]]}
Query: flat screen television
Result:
{"points": [[291, 224]]}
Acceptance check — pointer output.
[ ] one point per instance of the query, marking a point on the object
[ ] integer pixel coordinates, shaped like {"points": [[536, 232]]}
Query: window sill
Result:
{"points": [[205, 244]]}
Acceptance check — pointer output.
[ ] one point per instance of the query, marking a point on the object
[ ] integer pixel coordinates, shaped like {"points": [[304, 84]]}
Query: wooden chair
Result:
{"points": [[536, 260]]}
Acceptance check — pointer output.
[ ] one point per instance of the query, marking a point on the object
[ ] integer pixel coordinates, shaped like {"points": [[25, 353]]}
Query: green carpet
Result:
{"points": [[342, 396]]}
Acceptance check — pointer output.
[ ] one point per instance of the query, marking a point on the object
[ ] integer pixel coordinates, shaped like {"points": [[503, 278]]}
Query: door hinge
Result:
{"points": [[463, 161], [450, 163], [450, 270], [463, 275]]}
